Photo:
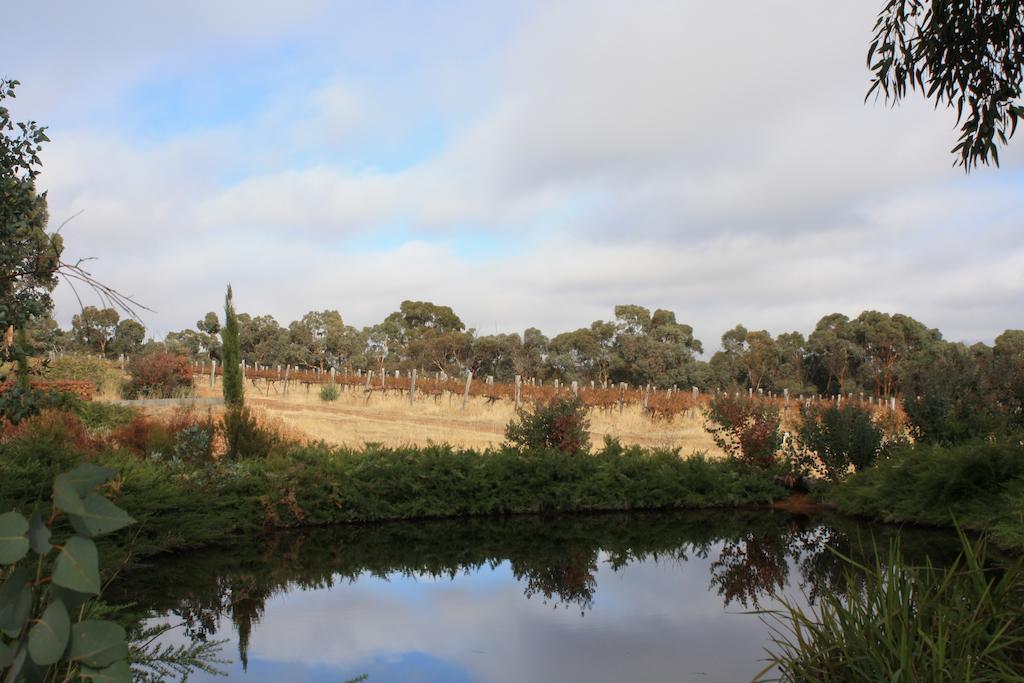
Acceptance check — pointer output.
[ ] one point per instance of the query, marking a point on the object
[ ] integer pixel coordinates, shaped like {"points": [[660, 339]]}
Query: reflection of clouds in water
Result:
{"points": [[650, 621]]}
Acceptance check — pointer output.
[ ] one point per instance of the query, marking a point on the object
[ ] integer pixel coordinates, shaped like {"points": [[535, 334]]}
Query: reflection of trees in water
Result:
{"points": [[749, 568], [571, 581], [554, 557]]}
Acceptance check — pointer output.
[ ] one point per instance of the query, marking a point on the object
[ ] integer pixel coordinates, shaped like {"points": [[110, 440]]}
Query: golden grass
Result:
{"points": [[355, 419]]}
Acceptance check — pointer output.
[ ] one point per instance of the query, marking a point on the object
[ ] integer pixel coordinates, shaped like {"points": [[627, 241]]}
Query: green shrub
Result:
{"points": [[158, 375], [244, 435], [329, 392], [83, 368], [837, 437], [194, 444], [98, 415], [896, 622], [18, 404], [745, 428], [944, 417], [979, 482], [561, 423], [948, 400]]}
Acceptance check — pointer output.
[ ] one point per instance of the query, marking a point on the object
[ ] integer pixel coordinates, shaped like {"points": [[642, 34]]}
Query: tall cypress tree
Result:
{"points": [[231, 354]]}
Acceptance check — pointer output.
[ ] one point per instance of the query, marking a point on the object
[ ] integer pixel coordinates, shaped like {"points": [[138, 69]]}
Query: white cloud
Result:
{"points": [[716, 161]]}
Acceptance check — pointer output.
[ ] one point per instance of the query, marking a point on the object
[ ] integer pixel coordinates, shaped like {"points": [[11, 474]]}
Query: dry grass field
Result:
{"points": [[355, 419]]}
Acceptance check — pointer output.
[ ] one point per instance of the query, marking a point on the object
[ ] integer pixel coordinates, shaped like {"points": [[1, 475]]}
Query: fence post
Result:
{"points": [[465, 392], [412, 387], [575, 388], [518, 383]]}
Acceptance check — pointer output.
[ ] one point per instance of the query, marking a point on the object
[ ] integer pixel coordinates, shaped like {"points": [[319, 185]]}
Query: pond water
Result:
{"points": [[638, 597]]}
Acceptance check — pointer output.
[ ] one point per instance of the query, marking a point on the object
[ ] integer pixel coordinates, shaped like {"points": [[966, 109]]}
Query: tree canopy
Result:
{"points": [[30, 257]]}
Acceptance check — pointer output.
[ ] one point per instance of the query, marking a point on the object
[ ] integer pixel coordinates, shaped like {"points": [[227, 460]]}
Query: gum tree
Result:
{"points": [[967, 54]]}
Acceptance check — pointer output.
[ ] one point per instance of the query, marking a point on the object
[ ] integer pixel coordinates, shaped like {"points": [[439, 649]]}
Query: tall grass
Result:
{"points": [[897, 622]]}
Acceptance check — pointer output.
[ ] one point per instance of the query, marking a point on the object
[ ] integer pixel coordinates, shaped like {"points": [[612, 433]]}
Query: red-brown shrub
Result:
{"points": [[158, 375], [745, 428], [57, 427], [144, 435]]}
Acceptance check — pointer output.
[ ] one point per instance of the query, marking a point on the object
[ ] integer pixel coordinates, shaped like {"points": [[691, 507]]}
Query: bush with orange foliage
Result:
{"points": [[184, 435], [158, 375], [54, 426]]}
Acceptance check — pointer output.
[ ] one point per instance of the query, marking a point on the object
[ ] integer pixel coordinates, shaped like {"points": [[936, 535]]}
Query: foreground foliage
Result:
{"points": [[897, 622], [40, 641]]}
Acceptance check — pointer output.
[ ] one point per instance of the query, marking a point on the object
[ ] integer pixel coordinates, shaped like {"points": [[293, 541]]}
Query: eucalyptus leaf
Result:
{"points": [[77, 566], [100, 517], [97, 644], [48, 638], [15, 602], [65, 497], [13, 541], [87, 477], [118, 672], [39, 535], [71, 599], [6, 656]]}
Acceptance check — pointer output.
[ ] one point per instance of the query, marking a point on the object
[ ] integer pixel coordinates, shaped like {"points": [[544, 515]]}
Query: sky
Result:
{"points": [[526, 163]]}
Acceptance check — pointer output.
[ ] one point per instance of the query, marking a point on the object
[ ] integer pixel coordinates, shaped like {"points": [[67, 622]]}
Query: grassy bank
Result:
{"points": [[978, 484], [179, 504]]}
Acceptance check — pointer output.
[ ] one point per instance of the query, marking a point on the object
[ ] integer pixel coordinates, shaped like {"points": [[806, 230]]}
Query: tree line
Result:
{"points": [[876, 353]]}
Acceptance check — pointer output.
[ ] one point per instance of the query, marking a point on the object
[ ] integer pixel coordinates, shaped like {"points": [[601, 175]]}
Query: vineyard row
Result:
{"points": [[655, 402]]}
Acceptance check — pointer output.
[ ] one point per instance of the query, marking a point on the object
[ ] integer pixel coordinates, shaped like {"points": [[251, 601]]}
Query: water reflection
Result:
{"points": [[608, 597]]}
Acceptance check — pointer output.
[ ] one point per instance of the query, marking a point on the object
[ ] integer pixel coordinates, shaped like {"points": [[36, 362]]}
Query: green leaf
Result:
{"points": [[71, 599], [6, 656], [77, 566], [119, 672], [100, 517], [15, 602], [13, 542], [65, 497], [97, 644], [48, 639], [87, 477], [39, 535]]}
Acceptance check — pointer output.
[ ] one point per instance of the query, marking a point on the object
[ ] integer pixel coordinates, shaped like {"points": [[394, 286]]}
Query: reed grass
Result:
{"points": [[901, 623]]}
